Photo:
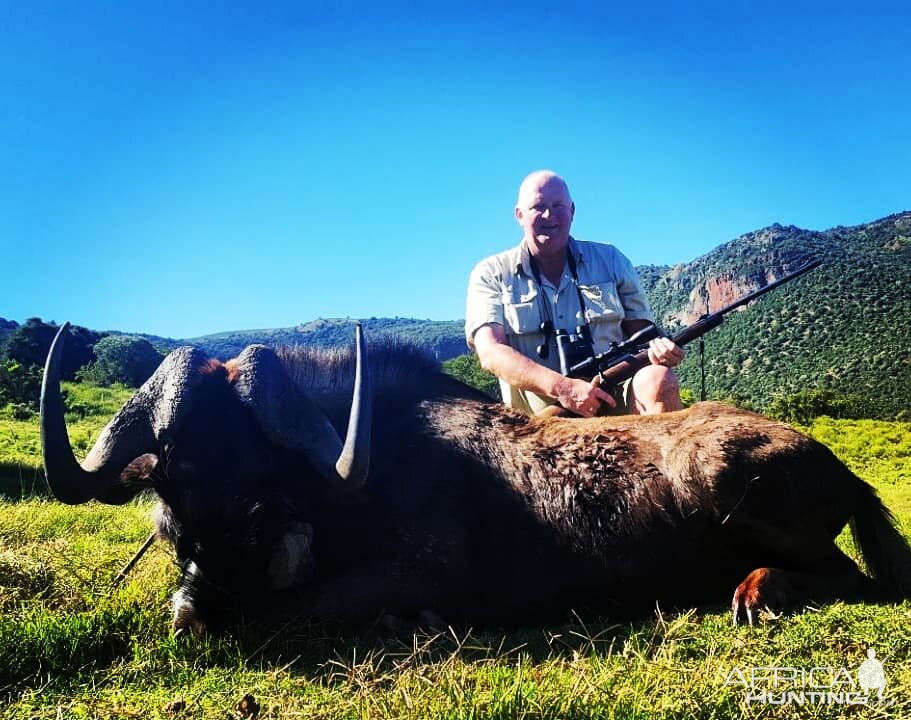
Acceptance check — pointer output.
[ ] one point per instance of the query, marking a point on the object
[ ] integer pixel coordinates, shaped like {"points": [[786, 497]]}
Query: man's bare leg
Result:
{"points": [[655, 390]]}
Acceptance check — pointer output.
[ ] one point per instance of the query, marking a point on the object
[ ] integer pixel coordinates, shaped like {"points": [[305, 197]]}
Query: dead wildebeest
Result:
{"points": [[448, 502]]}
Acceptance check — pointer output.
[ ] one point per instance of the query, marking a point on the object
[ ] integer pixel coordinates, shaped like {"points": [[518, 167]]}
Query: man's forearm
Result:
{"points": [[519, 371], [511, 366]]}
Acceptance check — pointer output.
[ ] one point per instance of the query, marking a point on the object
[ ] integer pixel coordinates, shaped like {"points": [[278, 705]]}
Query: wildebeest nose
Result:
{"points": [[185, 617]]}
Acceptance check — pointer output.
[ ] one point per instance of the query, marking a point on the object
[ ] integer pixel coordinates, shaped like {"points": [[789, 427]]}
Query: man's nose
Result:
{"points": [[546, 214]]}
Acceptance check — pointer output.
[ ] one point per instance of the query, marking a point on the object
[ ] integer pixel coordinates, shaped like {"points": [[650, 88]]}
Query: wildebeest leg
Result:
{"points": [[804, 565], [777, 589]]}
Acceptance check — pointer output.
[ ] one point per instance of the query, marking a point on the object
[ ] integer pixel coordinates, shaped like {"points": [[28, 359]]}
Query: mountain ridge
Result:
{"points": [[840, 327]]}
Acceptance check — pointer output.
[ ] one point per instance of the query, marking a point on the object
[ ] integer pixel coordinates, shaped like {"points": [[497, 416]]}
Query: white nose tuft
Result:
{"points": [[184, 617]]}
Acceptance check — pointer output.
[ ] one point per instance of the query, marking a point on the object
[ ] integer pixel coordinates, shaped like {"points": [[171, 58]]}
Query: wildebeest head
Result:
{"points": [[229, 450]]}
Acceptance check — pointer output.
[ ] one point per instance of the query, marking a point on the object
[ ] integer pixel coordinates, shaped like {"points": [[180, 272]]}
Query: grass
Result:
{"points": [[73, 647], [877, 451], [89, 408]]}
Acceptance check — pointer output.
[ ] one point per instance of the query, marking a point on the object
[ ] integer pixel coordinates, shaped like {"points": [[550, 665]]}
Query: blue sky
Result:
{"points": [[182, 171]]}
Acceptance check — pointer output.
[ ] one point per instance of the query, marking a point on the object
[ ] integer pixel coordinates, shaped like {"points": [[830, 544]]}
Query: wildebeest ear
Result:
{"points": [[140, 471]]}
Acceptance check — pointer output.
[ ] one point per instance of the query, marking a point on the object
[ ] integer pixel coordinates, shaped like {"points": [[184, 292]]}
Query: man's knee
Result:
{"points": [[655, 389]]}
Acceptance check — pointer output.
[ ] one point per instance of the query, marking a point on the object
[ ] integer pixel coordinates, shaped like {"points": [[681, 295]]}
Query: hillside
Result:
{"points": [[444, 338], [6, 327], [842, 327]]}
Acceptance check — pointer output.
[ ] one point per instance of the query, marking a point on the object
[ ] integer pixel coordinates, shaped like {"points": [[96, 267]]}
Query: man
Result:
{"points": [[518, 299]]}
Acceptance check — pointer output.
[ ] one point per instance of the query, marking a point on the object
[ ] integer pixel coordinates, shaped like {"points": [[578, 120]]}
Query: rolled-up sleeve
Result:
{"points": [[484, 303], [632, 295]]}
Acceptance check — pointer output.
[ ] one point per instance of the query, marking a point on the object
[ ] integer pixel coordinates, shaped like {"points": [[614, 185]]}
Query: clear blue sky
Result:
{"points": [[185, 171]]}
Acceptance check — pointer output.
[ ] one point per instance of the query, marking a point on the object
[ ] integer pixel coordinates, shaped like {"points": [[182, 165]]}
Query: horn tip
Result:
{"points": [[64, 326]]}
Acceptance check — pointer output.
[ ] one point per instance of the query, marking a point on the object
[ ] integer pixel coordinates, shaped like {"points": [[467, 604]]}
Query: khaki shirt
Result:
{"points": [[502, 289]]}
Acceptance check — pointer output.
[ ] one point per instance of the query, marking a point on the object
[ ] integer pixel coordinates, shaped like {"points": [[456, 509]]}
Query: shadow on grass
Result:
{"points": [[121, 647], [53, 650], [327, 651], [323, 650], [18, 482]]}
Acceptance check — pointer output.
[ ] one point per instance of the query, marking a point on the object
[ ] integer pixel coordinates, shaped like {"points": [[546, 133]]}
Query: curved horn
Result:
{"points": [[354, 461], [69, 482], [292, 420], [130, 434]]}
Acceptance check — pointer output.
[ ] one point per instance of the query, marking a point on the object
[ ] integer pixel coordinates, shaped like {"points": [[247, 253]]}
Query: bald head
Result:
{"points": [[535, 181], [544, 210]]}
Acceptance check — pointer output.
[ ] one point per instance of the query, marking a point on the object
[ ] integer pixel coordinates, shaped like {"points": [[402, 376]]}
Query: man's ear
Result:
{"points": [[572, 210], [518, 215]]}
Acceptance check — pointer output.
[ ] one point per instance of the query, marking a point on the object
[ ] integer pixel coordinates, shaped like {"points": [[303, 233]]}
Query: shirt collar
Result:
{"points": [[523, 258]]}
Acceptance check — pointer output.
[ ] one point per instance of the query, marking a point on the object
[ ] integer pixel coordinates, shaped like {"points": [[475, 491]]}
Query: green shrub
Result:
{"points": [[29, 343], [804, 406], [687, 397], [467, 369], [20, 384], [21, 411], [121, 359]]}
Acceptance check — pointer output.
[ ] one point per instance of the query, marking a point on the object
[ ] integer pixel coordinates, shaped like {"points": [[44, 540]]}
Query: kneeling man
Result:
{"points": [[520, 298]]}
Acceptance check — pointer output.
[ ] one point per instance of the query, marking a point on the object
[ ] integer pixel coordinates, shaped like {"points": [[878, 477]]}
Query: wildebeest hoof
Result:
{"points": [[762, 591]]}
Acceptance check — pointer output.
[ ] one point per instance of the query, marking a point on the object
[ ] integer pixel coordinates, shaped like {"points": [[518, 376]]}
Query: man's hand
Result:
{"points": [[664, 351], [582, 397], [578, 396], [661, 350]]}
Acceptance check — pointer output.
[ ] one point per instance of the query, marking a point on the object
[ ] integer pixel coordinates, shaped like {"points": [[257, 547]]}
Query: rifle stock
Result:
{"points": [[624, 369]]}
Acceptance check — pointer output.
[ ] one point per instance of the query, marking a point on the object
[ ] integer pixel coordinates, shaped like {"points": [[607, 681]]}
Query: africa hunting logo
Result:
{"points": [[811, 686]]}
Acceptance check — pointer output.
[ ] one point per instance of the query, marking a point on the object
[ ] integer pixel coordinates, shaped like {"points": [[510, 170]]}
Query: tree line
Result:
{"points": [[106, 359], [88, 355]]}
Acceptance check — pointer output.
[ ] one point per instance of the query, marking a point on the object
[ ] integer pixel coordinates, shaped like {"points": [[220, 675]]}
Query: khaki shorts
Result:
{"points": [[623, 394]]}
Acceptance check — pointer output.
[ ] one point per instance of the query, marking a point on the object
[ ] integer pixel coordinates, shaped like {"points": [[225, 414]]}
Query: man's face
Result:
{"points": [[545, 212]]}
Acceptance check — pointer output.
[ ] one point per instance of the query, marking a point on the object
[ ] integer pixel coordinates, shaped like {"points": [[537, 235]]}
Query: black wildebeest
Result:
{"points": [[438, 499]]}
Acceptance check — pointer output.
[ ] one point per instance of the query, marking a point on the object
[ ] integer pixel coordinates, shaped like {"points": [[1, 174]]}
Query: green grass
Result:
{"points": [[71, 646], [88, 410], [877, 451]]}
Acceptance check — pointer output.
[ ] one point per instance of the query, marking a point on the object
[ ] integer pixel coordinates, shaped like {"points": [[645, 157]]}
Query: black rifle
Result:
{"points": [[623, 360]]}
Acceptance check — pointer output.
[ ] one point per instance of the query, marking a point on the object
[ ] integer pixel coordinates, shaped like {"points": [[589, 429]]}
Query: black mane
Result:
{"points": [[395, 364]]}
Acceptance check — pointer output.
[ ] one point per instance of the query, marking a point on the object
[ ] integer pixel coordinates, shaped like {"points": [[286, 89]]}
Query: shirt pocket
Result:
{"points": [[522, 311], [602, 302]]}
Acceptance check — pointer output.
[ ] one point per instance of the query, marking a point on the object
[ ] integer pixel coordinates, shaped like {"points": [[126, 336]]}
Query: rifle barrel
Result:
{"points": [[617, 373], [805, 268]]}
